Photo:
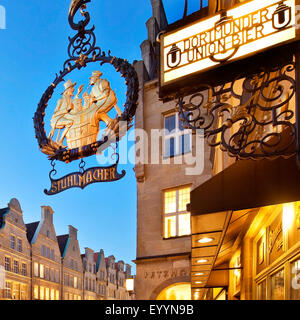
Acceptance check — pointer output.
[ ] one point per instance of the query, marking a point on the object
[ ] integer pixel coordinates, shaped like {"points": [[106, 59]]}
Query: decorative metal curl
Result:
{"points": [[82, 50], [256, 122]]}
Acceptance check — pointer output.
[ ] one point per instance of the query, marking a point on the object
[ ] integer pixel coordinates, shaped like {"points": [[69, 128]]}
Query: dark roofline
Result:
{"points": [[62, 241], [30, 229], [3, 213]]}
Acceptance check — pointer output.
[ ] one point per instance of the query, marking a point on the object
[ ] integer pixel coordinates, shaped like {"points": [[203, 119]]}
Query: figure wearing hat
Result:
{"points": [[102, 97], [63, 107]]}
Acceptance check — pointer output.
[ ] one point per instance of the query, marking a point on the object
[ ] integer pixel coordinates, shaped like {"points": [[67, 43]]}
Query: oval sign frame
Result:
{"points": [[82, 50]]}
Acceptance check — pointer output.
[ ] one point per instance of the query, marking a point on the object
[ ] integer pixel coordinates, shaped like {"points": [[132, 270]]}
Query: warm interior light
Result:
{"points": [[205, 240], [199, 274], [129, 285], [202, 261], [198, 282], [287, 215]]}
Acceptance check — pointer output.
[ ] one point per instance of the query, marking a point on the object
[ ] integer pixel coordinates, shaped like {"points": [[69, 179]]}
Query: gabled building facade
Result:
{"points": [[101, 275], [71, 266], [111, 278], [46, 258], [89, 275], [15, 259], [35, 264]]}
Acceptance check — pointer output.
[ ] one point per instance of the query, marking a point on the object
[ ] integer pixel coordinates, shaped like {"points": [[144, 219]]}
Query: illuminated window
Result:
{"points": [[36, 269], [42, 273], [47, 294], [23, 293], [36, 292], [8, 290], [262, 291], [75, 282], [277, 286], [177, 140], [57, 295], [177, 219], [52, 295], [42, 293], [295, 276]]}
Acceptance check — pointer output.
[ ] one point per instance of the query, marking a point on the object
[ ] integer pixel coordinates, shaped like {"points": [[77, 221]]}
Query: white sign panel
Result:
{"points": [[232, 35]]}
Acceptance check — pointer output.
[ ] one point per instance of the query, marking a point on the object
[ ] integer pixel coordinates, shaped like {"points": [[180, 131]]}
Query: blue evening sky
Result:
{"points": [[33, 49]]}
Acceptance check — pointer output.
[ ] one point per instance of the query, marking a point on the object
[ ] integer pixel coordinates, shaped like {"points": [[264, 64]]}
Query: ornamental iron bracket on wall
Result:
{"points": [[71, 114], [253, 116]]}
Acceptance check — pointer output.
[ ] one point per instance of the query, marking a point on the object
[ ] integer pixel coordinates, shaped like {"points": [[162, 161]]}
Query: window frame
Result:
{"points": [[176, 134], [12, 242], [175, 214]]}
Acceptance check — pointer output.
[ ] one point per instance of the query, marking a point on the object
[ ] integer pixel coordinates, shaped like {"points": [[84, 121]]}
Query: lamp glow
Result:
{"points": [[202, 261], [198, 282], [129, 285], [205, 240], [199, 274], [287, 215]]}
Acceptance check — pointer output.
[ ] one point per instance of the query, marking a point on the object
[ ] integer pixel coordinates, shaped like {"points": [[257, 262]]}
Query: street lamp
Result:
{"points": [[129, 285]]}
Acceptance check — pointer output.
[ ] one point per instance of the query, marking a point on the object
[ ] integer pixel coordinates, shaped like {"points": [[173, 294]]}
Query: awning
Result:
{"points": [[248, 184]]}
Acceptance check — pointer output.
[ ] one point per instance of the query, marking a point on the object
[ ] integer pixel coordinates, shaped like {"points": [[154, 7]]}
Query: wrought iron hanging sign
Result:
{"points": [[75, 121]]}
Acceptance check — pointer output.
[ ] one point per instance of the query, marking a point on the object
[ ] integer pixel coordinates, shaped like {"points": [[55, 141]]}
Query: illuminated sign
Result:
{"points": [[85, 178], [228, 36]]}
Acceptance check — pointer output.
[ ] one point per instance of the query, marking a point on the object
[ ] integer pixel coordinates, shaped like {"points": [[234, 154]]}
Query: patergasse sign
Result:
{"points": [[85, 178], [230, 35]]}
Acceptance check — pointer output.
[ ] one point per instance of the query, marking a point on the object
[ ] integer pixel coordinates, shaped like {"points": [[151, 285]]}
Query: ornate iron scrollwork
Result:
{"points": [[82, 50], [252, 116]]}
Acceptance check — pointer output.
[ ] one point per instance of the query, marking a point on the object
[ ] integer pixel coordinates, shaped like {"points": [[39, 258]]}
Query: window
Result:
{"points": [[66, 279], [71, 281], [52, 254], [8, 290], [36, 292], [36, 269], [295, 276], [52, 275], [262, 291], [47, 274], [43, 250], [48, 252], [277, 286], [52, 295], [42, 271], [177, 140], [71, 264], [12, 242], [23, 293], [24, 269], [42, 293], [16, 266], [7, 264], [57, 276], [177, 219], [47, 294], [19, 246], [57, 295], [75, 282]]}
